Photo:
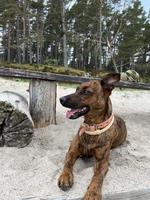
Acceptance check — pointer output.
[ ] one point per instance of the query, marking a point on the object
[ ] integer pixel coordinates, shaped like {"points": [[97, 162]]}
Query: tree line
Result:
{"points": [[84, 34]]}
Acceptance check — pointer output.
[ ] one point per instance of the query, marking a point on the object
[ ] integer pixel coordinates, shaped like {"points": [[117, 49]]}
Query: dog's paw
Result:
{"points": [[92, 195], [65, 180]]}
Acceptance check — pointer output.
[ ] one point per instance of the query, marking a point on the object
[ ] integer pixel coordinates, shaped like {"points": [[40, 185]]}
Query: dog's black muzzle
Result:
{"points": [[63, 100], [72, 101]]}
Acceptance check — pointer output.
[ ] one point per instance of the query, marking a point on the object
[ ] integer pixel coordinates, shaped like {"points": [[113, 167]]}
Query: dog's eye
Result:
{"points": [[87, 92]]}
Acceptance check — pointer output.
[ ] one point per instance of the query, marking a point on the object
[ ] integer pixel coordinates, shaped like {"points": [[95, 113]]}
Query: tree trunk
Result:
{"points": [[74, 56], [95, 56], [40, 27], [132, 62], [4, 45], [64, 33], [112, 53], [43, 102], [38, 41], [18, 36], [100, 34], [16, 125], [30, 54], [29, 40], [18, 43], [115, 65], [9, 43], [23, 44], [144, 55]]}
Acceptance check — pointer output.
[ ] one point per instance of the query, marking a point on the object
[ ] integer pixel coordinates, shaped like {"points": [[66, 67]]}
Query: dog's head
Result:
{"points": [[89, 96]]}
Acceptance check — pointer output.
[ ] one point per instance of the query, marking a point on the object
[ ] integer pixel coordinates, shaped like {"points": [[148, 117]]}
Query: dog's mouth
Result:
{"points": [[76, 113]]}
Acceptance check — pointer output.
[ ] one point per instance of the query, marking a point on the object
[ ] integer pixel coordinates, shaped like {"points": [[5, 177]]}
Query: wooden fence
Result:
{"points": [[43, 87], [18, 73]]}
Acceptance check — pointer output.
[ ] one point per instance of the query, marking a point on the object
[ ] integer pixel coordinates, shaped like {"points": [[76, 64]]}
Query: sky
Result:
{"points": [[146, 5]]}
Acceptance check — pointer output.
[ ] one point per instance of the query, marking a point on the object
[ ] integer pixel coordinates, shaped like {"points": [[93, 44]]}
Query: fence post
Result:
{"points": [[43, 102]]}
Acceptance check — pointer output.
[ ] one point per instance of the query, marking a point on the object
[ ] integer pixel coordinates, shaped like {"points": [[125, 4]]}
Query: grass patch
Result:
{"points": [[55, 69], [45, 68]]}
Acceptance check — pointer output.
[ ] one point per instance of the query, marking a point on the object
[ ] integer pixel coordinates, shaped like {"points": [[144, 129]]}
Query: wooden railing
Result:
{"points": [[43, 87], [19, 73]]}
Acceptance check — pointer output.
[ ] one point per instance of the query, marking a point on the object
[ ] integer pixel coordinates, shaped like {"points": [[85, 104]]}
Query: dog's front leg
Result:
{"points": [[65, 180], [94, 191]]}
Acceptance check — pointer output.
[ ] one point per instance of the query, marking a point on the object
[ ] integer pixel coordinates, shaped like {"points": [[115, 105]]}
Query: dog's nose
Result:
{"points": [[62, 100]]}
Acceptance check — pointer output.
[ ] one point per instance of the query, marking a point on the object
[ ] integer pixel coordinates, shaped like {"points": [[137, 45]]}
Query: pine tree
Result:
{"points": [[8, 11], [131, 40]]}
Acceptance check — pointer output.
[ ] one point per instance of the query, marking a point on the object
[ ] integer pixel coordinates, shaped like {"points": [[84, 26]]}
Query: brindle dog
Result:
{"points": [[91, 99]]}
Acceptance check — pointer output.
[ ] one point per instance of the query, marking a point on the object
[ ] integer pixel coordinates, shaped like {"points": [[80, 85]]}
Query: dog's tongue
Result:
{"points": [[69, 113]]}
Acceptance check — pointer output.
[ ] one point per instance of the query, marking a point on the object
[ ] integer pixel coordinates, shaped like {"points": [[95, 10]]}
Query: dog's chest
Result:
{"points": [[90, 142]]}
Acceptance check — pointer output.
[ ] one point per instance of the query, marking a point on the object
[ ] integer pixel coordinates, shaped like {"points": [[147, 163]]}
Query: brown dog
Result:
{"points": [[100, 132]]}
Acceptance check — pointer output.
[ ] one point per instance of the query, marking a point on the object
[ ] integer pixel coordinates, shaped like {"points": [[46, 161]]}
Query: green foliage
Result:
{"points": [[53, 30], [132, 32], [7, 11]]}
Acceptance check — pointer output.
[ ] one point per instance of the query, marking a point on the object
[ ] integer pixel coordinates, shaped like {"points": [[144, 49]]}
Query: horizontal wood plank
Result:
{"points": [[134, 195], [18, 73]]}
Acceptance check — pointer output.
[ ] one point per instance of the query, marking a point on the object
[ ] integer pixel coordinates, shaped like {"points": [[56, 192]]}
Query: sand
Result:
{"points": [[33, 170]]}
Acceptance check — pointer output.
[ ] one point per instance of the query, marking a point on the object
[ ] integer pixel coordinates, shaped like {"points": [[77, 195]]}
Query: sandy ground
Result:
{"points": [[33, 170]]}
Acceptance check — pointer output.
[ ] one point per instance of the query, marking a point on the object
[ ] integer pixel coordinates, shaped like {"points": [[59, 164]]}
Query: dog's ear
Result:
{"points": [[108, 82]]}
